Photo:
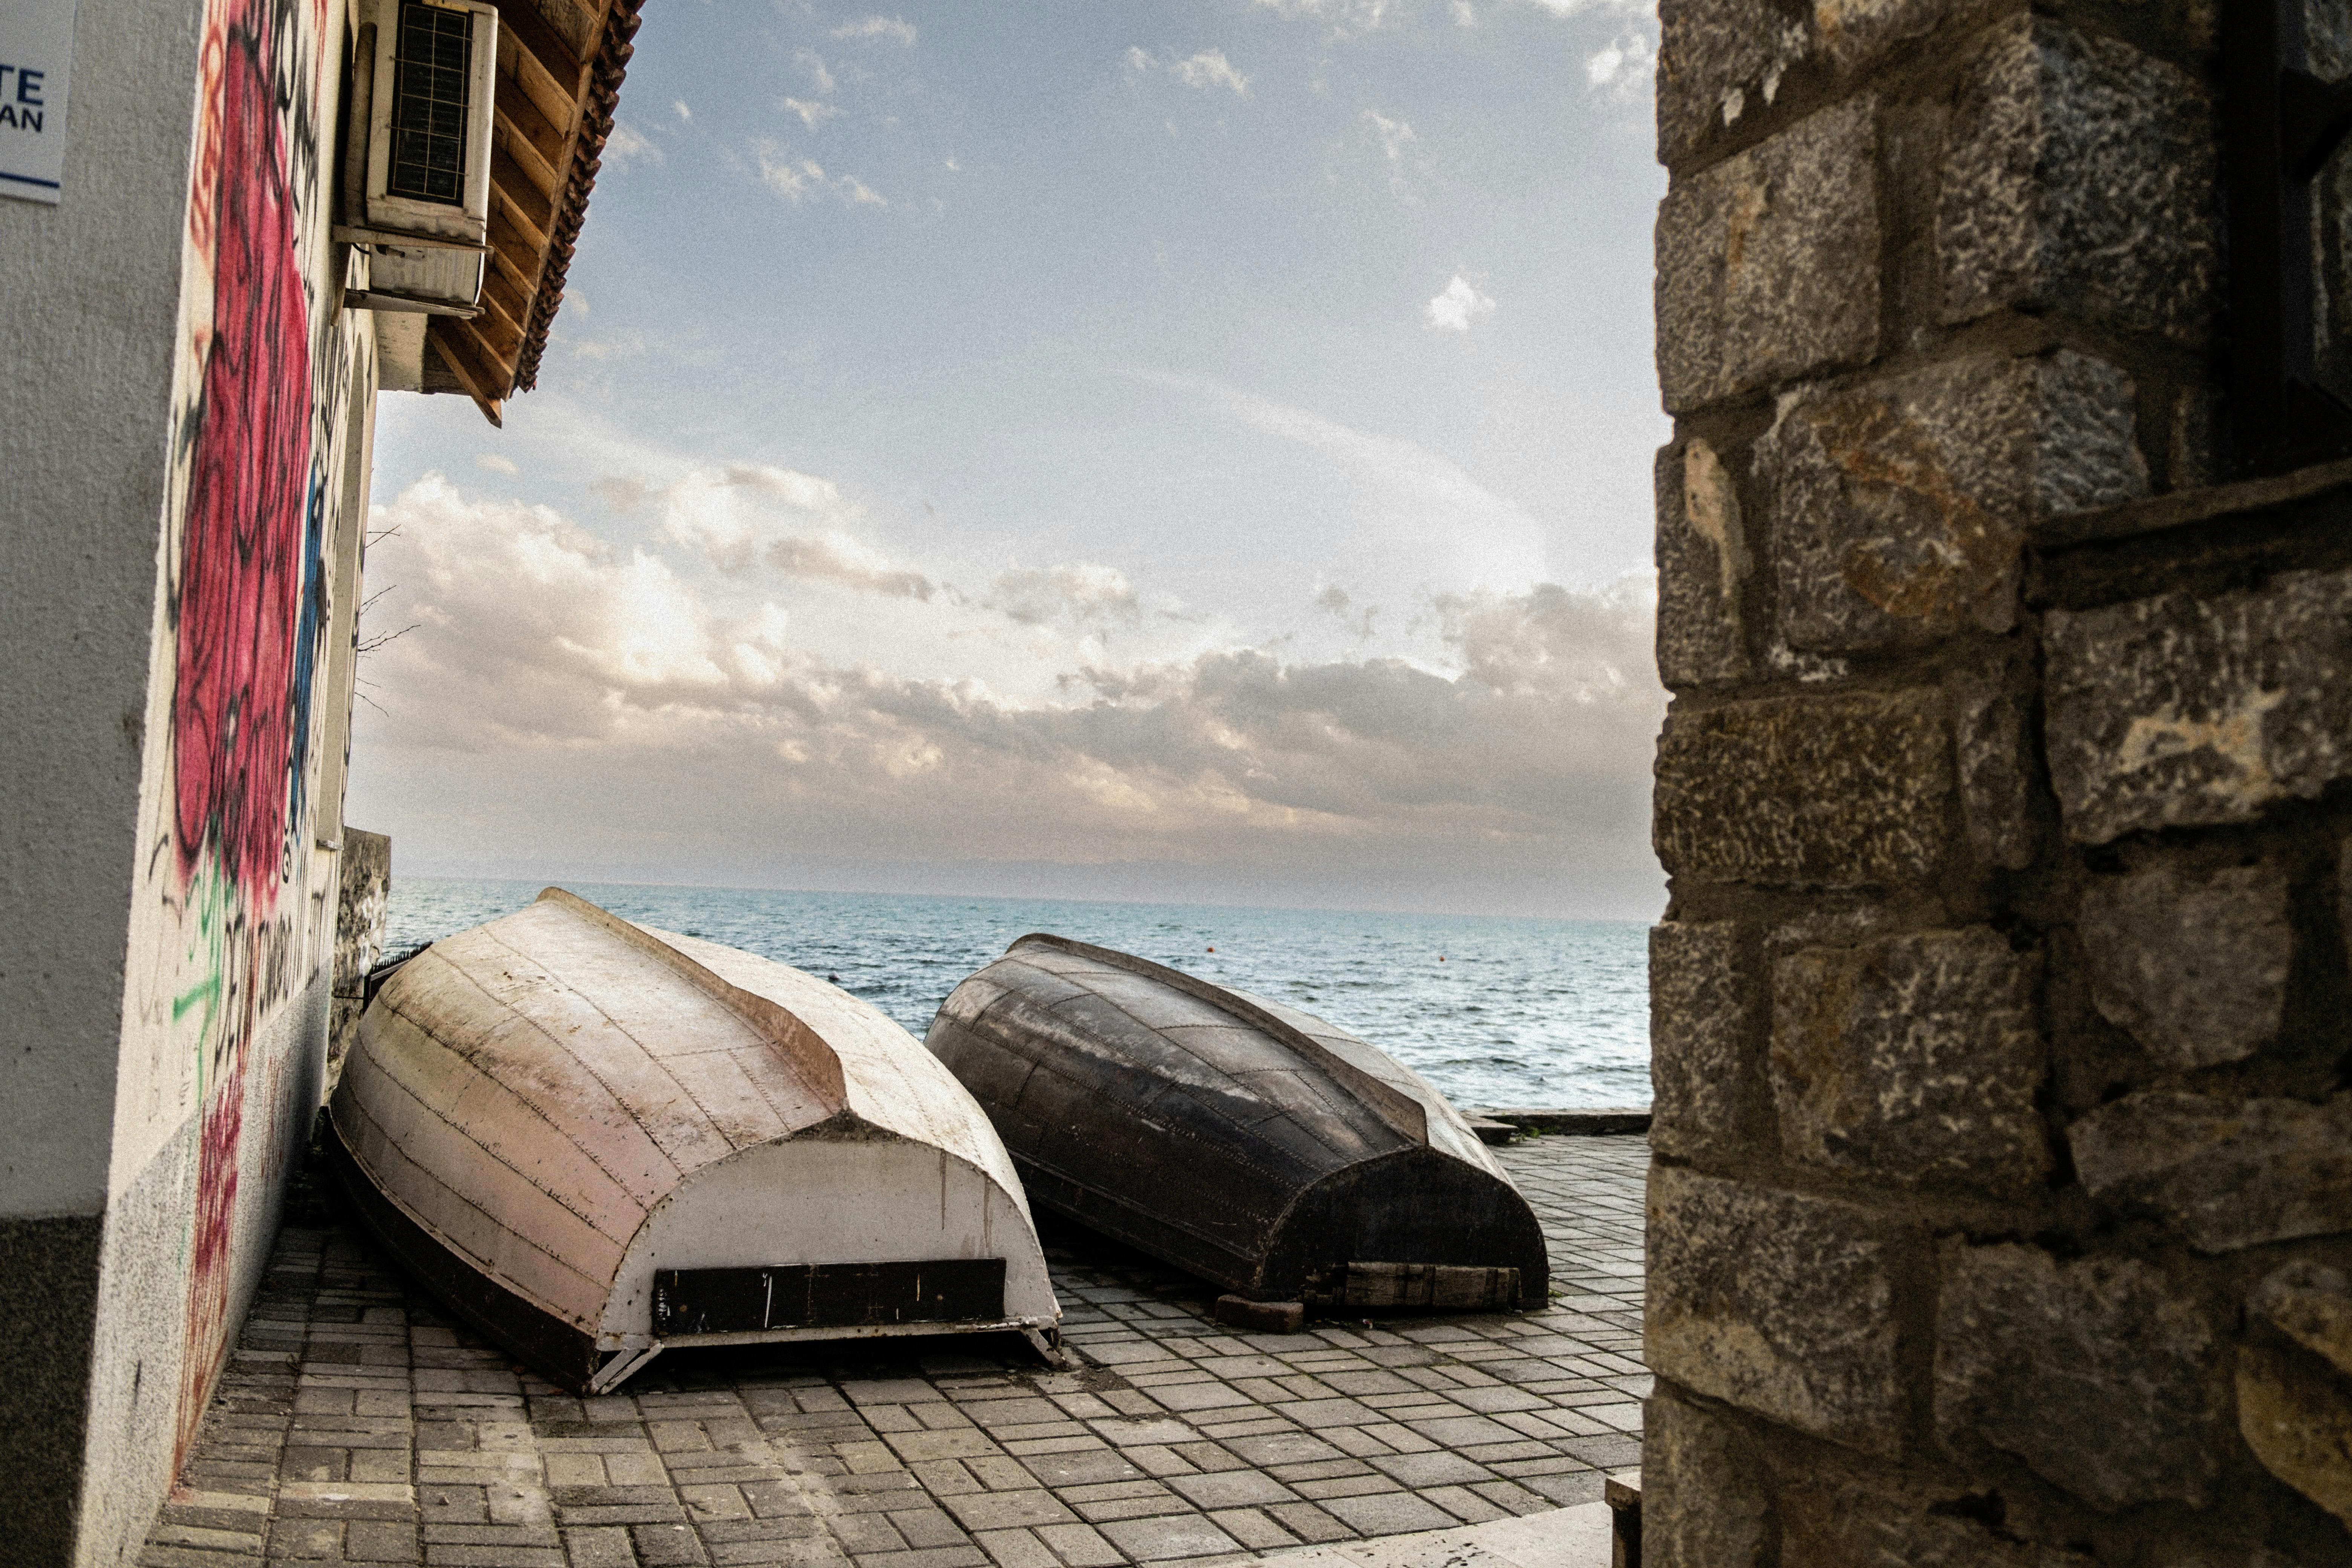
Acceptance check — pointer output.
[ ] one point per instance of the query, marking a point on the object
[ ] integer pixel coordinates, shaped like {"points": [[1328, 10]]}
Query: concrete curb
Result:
{"points": [[1587, 1121]]}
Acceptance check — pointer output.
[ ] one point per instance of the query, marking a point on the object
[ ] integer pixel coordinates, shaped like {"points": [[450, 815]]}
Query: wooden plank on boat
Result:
{"points": [[1243, 1140]]}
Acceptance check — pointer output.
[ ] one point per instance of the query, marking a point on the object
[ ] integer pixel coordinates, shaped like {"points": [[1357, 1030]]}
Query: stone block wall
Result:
{"points": [[2001, 1210]]}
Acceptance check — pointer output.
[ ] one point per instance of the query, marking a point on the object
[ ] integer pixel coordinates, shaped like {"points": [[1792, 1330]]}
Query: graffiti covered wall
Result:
{"points": [[233, 917]]}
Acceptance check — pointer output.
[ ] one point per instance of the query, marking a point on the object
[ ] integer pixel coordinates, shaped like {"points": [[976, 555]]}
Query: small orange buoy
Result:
{"points": [[1441, 958], [1212, 949]]}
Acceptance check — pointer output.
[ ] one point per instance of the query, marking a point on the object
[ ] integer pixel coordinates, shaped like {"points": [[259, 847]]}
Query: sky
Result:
{"points": [[1185, 452]]}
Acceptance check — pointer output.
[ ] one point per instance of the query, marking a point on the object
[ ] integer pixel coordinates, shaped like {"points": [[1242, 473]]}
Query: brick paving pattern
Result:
{"points": [[355, 1425]]}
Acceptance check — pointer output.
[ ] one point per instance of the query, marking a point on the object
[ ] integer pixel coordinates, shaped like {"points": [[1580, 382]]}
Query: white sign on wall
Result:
{"points": [[35, 49]]}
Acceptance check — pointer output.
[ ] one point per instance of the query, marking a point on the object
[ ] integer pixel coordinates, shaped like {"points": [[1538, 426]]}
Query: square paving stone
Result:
{"points": [[1007, 1511], [1081, 1545], [1168, 1536], [1282, 1449], [1388, 1513], [1232, 1489], [1082, 1468], [1439, 1469]]}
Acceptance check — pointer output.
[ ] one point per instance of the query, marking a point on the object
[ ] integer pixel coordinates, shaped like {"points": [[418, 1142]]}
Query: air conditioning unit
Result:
{"points": [[417, 161]]}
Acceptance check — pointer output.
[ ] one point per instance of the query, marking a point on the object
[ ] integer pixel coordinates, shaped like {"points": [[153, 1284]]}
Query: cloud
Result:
{"points": [[495, 463], [811, 115], [803, 490], [678, 104], [1334, 602], [799, 180], [588, 692], [626, 144], [623, 494], [1625, 63], [843, 562], [878, 27], [1456, 305], [1203, 72], [1208, 69], [1393, 136], [812, 62], [1083, 592]]}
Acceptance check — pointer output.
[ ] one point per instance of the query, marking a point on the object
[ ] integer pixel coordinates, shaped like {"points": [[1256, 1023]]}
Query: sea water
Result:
{"points": [[1494, 1010]]}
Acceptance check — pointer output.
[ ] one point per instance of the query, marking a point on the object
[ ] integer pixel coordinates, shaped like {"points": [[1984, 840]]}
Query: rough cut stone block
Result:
{"points": [[1716, 60], [2294, 1400], [1779, 1304], [1704, 1503], [2297, 1418], [1989, 742], [2099, 1373], [2227, 1172], [2177, 710], [1840, 790], [1900, 506], [1722, 60], [1768, 263], [1695, 1024], [2311, 1304], [1702, 565], [1891, 1526], [1913, 1059], [2080, 179], [2194, 967]]}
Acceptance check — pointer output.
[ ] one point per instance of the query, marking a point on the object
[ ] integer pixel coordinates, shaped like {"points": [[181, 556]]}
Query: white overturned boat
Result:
{"points": [[598, 1141]]}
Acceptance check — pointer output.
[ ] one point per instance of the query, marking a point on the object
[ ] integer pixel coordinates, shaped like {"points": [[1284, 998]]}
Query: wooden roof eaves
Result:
{"points": [[606, 74]]}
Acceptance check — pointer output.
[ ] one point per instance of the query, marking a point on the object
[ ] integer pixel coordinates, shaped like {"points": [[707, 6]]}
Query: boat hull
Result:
{"points": [[577, 1132], [1246, 1142]]}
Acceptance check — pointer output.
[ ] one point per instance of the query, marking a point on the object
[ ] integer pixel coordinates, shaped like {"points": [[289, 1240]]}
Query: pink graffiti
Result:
{"points": [[241, 570], [237, 614]]}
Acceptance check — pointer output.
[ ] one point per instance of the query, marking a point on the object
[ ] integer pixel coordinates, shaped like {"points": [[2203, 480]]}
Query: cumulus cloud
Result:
{"points": [[678, 105], [543, 655], [804, 490], [811, 115], [1336, 602], [1625, 63], [621, 492], [1456, 305], [626, 144], [813, 63], [839, 560], [1084, 592], [800, 179], [878, 27]]}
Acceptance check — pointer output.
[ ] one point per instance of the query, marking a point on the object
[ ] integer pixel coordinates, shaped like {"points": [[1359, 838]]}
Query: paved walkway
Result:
{"points": [[355, 1425]]}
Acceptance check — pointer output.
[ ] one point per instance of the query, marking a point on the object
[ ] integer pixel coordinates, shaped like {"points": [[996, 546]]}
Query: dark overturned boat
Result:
{"points": [[1243, 1140], [597, 1142]]}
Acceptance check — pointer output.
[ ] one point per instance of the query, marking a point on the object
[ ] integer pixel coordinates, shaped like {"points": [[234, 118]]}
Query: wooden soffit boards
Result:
{"points": [[561, 65]]}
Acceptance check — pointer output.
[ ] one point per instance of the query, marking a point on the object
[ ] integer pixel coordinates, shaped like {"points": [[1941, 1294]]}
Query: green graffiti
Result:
{"points": [[207, 899]]}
